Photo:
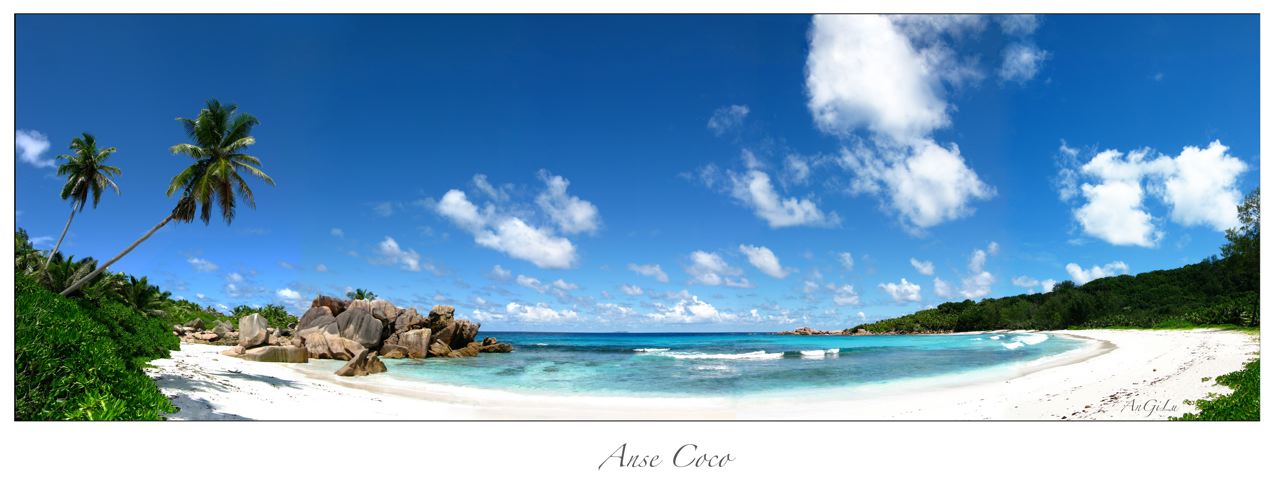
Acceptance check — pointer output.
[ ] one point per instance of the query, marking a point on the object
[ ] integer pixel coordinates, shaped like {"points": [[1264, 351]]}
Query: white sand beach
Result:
{"points": [[1121, 375]]}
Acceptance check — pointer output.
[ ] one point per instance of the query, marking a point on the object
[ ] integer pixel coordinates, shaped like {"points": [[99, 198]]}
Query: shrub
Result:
{"points": [[1242, 404], [68, 365]]}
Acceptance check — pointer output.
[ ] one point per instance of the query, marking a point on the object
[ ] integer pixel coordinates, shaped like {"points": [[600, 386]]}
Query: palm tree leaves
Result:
{"points": [[86, 171], [218, 138]]}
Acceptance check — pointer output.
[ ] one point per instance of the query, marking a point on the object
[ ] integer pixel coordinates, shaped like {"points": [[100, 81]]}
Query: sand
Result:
{"points": [[1120, 375]]}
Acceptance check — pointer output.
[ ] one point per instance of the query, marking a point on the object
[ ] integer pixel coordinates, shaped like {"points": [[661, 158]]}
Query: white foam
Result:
{"points": [[650, 350], [539, 344], [1031, 339], [1013, 345], [832, 351], [755, 355], [996, 337], [812, 353]]}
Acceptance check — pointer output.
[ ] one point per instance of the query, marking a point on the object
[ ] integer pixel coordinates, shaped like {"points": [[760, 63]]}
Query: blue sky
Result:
{"points": [[654, 173]]}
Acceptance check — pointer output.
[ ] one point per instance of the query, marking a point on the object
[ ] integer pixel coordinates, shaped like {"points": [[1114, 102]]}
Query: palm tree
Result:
{"points": [[86, 174], [361, 293], [219, 137], [143, 296]]}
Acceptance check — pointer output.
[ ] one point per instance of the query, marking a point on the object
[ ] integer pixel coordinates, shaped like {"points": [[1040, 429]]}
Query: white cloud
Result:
{"points": [[860, 315], [1034, 285], [1021, 62], [923, 183], [977, 261], [321, 268], [1083, 276], [903, 291], [384, 209], [570, 213], [288, 294], [797, 169], [539, 313], [631, 290], [977, 285], [1017, 25], [846, 296], [1199, 187], [923, 266], [1203, 187], [337, 232], [499, 273], [862, 72], [563, 285], [235, 277], [492, 192], [885, 75], [755, 190], [530, 283], [508, 234], [690, 309], [845, 259], [201, 265], [406, 258], [31, 147], [763, 259], [201, 296], [942, 288], [651, 270], [727, 118], [710, 269]]}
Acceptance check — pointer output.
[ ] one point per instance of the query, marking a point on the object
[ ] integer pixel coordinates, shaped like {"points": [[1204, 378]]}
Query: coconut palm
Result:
{"points": [[219, 137], [143, 296], [361, 293], [87, 174]]}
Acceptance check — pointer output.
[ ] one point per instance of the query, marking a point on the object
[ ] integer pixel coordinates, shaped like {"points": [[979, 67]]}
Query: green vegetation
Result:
{"points": [[361, 293], [1216, 291], [80, 354], [276, 316], [1242, 404], [81, 360]]}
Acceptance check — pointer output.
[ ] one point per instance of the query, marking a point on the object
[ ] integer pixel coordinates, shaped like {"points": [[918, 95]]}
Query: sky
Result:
{"points": [[650, 172]]}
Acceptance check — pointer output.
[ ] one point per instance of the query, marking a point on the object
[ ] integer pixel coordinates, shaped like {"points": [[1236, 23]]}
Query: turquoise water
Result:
{"points": [[723, 364]]}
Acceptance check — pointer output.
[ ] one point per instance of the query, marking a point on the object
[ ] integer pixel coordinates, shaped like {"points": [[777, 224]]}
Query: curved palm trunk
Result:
{"points": [[121, 255], [64, 234]]}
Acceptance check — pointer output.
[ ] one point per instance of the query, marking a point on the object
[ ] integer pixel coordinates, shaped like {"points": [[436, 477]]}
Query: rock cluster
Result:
{"points": [[363, 332], [810, 331], [257, 342]]}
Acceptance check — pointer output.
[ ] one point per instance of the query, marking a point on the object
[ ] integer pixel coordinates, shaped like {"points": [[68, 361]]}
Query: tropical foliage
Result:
{"points": [[1216, 291], [1240, 404], [361, 293], [86, 174]]}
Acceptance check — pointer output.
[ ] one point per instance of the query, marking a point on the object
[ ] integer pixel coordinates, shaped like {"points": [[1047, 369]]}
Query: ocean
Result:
{"points": [[724, 364]]}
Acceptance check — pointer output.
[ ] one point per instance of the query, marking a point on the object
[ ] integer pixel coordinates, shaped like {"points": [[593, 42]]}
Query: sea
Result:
{"points": [[726, 364]]}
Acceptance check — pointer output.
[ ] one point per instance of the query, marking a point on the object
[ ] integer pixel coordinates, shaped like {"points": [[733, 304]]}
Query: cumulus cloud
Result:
{"points": [[689, 309], [924, 267], [727, 118], [508, 234], [710, 269], [538, 313], [31, 146], [1021, 62], [887, 76], [530, 283], [499, 273], [650, 270], [1034, 285], [1199, 187], [942, 288], [765, 261], [631, 290], [336, 232], [492, 192], [201, 265], [1080, 275], [903, 291], [754, 189], [570, 213], [846, 296], [921, 182], [1017, 25], [408, 259], [288, 294], [845, 259]]}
